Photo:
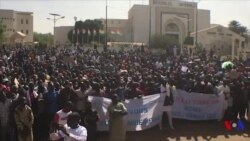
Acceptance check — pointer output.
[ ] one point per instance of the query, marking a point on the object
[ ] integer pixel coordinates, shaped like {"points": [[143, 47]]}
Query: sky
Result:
{"points": [[222, 11]]}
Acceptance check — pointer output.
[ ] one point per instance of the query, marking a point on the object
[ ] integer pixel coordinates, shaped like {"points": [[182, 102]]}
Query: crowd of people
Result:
{"points": [[41, 87]]}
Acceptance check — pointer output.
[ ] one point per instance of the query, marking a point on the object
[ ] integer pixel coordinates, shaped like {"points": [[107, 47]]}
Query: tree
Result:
{"points": [[1, 32], [92, 29], [236, 27], [44, 39], [163, 41], [189, 40]]}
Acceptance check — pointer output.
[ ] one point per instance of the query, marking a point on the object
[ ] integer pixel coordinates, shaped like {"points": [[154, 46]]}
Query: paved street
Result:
{"points": [[188, 131]]}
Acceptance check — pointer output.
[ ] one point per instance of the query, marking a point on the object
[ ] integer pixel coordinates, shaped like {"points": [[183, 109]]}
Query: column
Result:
{"points": [[239, 49], [232, 55]]}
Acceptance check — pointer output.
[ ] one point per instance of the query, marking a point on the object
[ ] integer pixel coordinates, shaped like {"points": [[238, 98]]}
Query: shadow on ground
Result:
{"points": [[188, 130]]}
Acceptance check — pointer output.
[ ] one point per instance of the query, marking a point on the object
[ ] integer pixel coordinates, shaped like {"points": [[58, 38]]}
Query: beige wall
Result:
{"points": [[114, 22], [7, 17], [26, 27], [203, 19], [117, 26], [61, 34], [221, 40], [139, 23], [162, 12], [136, 27], [187, 13], [12, 20]]}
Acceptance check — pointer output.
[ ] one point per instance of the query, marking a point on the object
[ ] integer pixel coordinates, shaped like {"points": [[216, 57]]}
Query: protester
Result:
{"points": [[90, 122], [78, 73], [168, 88], [12, 124], [4, 116], [67, 94], [248, 111], [62, 115], [24, 120], [80, 106], [116, 112], [71, 131], [224, 90], [50, 105]]}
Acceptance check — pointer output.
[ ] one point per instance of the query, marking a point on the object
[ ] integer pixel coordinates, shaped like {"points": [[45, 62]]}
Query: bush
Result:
{"points": [[163, 41]]}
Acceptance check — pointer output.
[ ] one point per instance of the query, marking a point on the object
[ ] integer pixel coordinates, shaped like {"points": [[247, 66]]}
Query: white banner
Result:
{"points": [[196, 106], [143, 113], [146, 112]]}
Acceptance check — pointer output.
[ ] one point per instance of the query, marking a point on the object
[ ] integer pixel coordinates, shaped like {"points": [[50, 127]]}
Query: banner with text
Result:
{"points": [[196, 106], [143, 113]]}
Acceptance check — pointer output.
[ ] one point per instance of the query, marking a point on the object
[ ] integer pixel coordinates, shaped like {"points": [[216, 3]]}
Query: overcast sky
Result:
{"points": [[222, 11]]}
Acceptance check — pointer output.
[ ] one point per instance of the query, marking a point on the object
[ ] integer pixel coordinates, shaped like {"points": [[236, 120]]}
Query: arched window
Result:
{"points": [[171, 28]]}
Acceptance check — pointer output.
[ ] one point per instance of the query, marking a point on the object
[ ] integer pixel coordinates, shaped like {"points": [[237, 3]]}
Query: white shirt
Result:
{"points": [[163, 89], [78, 134], [224, 90], [62, 117]]}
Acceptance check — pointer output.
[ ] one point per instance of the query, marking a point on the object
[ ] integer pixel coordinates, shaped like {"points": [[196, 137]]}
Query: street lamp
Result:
{"points": [[106, 22], [76, 31], [150, 14], [196, 29], [55, 18]]}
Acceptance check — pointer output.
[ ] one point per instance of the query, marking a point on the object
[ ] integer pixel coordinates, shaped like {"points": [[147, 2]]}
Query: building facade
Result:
{"points": [[222, 41], [116, 29], [61, 35], [166, 17], [17, 22]]}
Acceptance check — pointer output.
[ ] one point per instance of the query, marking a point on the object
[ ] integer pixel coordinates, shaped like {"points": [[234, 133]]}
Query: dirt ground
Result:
{"points": [[188, 131]]}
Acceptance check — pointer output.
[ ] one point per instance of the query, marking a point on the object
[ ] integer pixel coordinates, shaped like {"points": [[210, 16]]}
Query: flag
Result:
{"points": [[73, 31], [89, 33], [94, 32]]}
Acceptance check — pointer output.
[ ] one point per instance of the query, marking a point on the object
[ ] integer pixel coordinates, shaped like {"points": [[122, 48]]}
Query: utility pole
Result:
{"points": [[106, 33], [76, 31], [55, 19], [196, 32], [149, 34]]}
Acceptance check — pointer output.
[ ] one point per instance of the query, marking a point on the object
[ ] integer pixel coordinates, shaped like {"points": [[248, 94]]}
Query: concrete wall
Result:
{"points": [[61, 34], [139, 17], [26, 26], [116, 26], [221, 40], [12, 21], [203, 19], [8, 19]]}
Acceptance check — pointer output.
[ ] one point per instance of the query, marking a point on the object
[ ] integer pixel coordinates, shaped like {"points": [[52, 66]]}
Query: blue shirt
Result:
{"points": [[50, 102]]}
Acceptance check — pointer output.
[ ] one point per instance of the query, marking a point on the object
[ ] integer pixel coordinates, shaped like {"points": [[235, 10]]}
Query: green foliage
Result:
{"points": [[89, 26], [163, 41], [46, 39], [236, 27], [189, 40], [1, 33]]}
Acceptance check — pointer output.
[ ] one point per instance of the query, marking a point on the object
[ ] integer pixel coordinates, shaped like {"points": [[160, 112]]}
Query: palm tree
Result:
{"points": [[88, 26]]}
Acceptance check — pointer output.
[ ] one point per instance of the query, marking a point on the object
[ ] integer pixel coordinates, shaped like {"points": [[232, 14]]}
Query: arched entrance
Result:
{"points": [[172, 30], [175, 28]]}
